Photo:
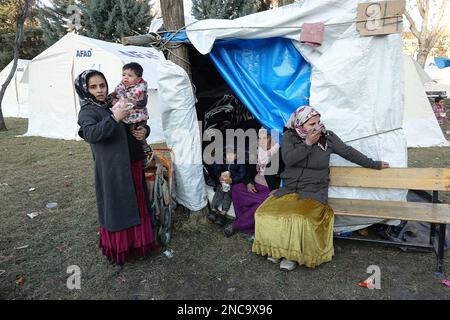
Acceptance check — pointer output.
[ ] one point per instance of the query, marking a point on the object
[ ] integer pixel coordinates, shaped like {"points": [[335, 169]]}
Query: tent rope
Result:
{"points": [[373, 135]]}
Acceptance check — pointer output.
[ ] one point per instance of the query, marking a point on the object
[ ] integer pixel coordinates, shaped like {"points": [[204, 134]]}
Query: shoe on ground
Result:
{"points": [[212, 216], [287, 265], [229, 231], [220, 220], [273, 260]]}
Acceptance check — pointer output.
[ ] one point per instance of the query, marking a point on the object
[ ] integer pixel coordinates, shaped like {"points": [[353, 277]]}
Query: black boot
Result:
{"points": [[212, 216], [221, 219], [229, 231]]}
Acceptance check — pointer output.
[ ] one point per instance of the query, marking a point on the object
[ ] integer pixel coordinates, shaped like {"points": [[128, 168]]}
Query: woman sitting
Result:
{"points": [[296, 223], [261, 178]]}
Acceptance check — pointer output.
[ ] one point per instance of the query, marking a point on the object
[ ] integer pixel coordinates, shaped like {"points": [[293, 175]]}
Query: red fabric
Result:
{"points": [[119, 245], [312, 34]]}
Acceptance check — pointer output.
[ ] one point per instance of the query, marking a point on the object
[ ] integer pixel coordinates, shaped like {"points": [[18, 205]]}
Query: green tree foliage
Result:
{"points": [[53, 20], [223, 9], [110, 20], [32, 43]]}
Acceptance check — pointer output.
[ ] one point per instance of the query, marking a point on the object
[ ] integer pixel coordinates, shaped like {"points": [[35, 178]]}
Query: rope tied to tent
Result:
{"points": [[373, 135]]}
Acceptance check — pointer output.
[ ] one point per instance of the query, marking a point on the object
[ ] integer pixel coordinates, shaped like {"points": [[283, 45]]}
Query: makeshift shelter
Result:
{"points": [[54, 104], [419, 122], [354, 81], [15, 100]]}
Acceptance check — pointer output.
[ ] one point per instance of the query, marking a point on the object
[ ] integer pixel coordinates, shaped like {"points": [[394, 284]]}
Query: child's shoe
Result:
{"points": [[229, 231], [221, 219], [212, 216]]}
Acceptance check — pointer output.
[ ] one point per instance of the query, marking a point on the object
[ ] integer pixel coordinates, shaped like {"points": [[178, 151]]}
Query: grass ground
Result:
{"points": [[206, 265]]}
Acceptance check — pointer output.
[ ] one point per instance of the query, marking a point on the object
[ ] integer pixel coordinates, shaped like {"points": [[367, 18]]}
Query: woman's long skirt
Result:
{"points": [[297, 229], [245, 204], [119, 245]]}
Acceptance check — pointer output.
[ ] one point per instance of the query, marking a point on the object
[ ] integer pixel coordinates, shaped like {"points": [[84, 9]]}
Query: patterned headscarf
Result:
{"points": [[81, 86], [301, 116]]}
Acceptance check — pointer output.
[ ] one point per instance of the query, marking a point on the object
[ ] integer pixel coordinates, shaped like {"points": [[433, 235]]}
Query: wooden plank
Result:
{"points": [[393, 210], [393, 178]]}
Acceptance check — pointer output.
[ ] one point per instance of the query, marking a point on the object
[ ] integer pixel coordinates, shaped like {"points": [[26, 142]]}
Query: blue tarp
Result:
{"points": [[442, 63], [269, 76]]}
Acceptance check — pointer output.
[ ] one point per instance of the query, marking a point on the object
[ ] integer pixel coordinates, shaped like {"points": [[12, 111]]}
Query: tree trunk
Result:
{"points": [[173, 17], [422, 56], [2, 120], [21, 16]]}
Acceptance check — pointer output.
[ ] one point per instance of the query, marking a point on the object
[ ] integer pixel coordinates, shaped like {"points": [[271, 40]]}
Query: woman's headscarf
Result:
{"points": [[301, 116], [81, 86], [265, 154]]}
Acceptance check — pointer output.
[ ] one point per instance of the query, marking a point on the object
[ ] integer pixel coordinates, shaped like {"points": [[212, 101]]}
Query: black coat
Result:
{"points": [[307, 167], [112, 146], [237, 171]]}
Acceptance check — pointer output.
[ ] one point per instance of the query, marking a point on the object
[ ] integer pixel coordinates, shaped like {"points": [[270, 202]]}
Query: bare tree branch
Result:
{"points": [[425, 30], [421, 9], [412, 26]]}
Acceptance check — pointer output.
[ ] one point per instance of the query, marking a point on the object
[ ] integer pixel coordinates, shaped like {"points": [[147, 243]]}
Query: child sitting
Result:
{"points": [[229, 173], [132, 92]]}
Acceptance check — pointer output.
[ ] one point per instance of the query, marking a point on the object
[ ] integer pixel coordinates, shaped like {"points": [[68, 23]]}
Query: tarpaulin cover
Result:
{"points": [[442, 63], [268, 75]]}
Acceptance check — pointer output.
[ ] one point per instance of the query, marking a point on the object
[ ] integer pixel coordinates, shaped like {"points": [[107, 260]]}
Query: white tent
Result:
{"points": [[419, 122], [15, 100], [355, 80], [441, 76], [54, 104]]}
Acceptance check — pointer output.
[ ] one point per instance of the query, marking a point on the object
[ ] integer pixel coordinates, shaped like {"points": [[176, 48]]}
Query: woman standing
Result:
{"points": [[296, 223], [122, 201]]}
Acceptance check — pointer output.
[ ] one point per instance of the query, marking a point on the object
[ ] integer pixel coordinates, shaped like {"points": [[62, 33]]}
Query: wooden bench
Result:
{"points": [[427, 179]]}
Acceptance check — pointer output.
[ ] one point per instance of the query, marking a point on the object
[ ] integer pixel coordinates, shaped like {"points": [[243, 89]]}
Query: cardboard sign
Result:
{"points": [[378, 18]]}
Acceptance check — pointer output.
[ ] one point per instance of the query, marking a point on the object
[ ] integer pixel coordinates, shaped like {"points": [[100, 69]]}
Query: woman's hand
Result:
{"points": [[384, 165], [313, 137], [121, 113], [139, 133], [251, 188]]}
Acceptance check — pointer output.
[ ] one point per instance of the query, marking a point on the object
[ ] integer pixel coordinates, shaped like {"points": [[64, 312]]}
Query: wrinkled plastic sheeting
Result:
{"points": [[269, 76], [180, 125], [227, 113]]}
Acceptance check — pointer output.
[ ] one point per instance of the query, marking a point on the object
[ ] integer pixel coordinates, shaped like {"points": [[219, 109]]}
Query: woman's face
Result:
{"points": [[312, 123], [97, 87], [265, 141]]}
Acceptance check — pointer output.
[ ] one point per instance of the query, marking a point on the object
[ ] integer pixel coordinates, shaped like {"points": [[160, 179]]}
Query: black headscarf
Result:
{"points": [[81, 86]]}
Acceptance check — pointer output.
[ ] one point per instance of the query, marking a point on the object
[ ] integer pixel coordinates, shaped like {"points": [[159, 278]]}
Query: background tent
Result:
{"points": [[441, 76], [15, 100], [54, 103], [353, 81], [419, 122]]}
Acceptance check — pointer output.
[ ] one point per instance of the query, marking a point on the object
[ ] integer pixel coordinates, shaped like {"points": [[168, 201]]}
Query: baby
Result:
{"points": [[132, 92]]}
